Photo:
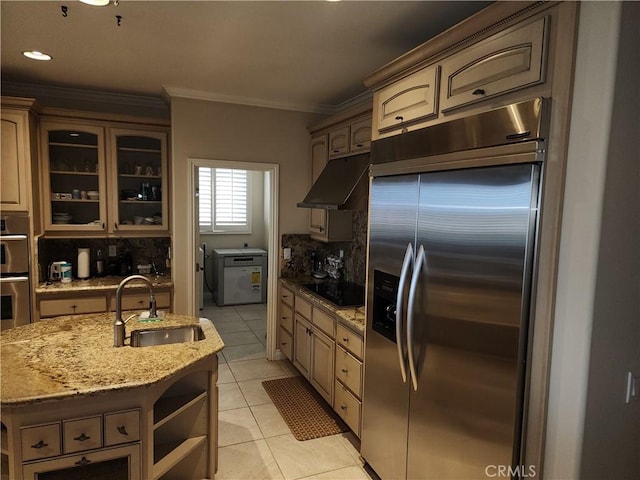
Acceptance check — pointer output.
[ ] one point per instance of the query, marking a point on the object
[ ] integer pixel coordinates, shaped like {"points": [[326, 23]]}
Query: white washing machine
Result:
{"points": [[239, 276]]}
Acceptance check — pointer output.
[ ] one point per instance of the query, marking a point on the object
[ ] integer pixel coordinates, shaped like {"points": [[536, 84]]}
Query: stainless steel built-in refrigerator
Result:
{"points": [[453, 215]]}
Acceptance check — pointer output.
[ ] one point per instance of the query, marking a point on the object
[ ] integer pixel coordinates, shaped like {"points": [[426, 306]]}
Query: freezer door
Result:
{"points": [[470, 323], [393, 216]]}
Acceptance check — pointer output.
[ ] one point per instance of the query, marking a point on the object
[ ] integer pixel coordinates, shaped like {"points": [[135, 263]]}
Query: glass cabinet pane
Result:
{"points": [[74, 178], [140, 180]]}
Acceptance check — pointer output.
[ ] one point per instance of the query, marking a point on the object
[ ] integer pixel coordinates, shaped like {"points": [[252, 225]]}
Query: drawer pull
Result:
{"points": [[283, 343], [122, 430], [343, 407], [344, 370], [359, 145], [345, 339], [478, 91], [399, 118], [82, 438], [82, 462], [39, 445]]}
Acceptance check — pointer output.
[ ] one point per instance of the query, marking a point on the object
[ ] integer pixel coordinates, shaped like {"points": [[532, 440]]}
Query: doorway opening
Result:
{"points": [[234, 223]]}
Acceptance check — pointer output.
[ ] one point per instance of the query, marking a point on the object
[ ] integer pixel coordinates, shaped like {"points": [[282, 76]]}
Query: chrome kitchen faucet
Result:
{"points": [[119, 333]]}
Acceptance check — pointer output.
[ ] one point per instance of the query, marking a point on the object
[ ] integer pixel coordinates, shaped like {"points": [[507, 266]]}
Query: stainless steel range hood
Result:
{"points": [[342, 185]]}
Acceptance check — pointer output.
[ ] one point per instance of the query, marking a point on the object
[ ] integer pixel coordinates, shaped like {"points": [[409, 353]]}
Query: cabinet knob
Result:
{"points": [[115, 225], [478, 91], [103, 225], [122, 430], [39, 445], [400, 118], [82, 437], [83, 461]]}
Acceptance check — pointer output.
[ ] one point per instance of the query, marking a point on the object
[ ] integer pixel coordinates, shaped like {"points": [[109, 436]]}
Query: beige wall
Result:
{"points": [[220, 131], [586, 393]]}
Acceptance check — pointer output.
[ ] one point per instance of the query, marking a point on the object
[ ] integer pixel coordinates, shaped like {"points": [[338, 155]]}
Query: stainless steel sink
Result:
{"points": [[164, 336]]}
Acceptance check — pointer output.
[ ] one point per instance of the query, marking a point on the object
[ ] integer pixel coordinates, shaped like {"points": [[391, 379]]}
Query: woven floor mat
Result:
{"points": [[305, 411]]}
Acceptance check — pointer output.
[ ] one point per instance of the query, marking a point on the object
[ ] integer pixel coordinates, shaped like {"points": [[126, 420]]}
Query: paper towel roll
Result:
{"points": [[83, 263]]}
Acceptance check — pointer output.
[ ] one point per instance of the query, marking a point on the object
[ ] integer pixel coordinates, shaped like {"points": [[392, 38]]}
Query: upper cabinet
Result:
{"points": [[74, 183], [350, 138], [468, 71], [409, 100], [140, 168], [499, 64], [102, 179], [326, 225], [18, 127]]}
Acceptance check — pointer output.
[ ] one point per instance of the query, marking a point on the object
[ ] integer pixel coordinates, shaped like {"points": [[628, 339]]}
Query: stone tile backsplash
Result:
{"points": [[301, 245], [143, 251]]}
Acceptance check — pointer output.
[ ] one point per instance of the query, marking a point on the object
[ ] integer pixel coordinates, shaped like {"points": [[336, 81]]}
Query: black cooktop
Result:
{"points": [[343, 294]]}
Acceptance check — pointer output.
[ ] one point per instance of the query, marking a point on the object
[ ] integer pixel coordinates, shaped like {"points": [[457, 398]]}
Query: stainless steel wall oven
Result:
{"points": [[15, 295]]}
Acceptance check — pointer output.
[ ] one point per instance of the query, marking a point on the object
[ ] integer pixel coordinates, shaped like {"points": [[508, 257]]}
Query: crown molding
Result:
{"points": [[178, 92], [65, 97]]}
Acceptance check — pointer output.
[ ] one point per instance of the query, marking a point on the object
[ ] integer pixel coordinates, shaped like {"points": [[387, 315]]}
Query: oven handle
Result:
{"points": [[13, 279], [13, 237]]}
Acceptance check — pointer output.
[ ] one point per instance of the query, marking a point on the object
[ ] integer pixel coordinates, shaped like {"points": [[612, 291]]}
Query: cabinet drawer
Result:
{"points": [[499, 64], [349, 371], [360, 136], [286, 296], [303, 307], [286, 343], [140, 301], [121, 427], [40, 442], [81, 434], [351, 341], [410, 99], [72, 306], [324, 322], [286, 317], [348, 407], [339, 142]]}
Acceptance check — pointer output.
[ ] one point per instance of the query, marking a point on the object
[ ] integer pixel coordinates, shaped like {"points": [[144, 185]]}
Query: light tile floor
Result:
{"points": [[254, 442]]}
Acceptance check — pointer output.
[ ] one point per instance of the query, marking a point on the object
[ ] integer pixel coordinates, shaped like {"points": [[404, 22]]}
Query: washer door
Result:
{"points": [[242, 285]]}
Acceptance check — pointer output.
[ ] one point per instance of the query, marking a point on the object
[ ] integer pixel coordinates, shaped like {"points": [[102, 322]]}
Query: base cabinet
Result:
{"points": [[348, 387], [54, 305], [165, 431]]}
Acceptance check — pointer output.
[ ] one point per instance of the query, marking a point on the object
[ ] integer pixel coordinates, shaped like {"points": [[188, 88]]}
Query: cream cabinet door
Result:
{"points": [[302, 345], [409, 100], [502, 63], [360, 136], [322, 362], [319, 156], [339, 142], [15, 161]]}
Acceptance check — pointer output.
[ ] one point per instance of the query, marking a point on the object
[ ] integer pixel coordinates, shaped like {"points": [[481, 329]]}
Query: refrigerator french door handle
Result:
{"points": [[406, 263], [421, 259]]}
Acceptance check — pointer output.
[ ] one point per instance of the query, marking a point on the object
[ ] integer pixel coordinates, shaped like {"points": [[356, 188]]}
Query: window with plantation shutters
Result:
{"points": [[224, 200]]}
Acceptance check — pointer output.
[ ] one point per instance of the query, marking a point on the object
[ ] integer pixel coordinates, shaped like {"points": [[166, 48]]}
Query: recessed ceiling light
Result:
{"points": [[36, 55], [96, 3]]}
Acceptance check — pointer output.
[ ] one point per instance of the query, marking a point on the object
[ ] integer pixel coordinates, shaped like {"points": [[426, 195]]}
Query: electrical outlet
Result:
{"points": [[113, 251], [287, 253]]}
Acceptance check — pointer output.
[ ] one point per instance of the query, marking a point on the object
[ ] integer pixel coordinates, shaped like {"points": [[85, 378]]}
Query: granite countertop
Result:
{"points": [[99, 284], [351, 317], [74, 356]]}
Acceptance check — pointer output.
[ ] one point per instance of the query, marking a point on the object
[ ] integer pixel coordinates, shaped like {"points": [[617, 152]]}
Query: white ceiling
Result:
{"points": [[302, 55]]}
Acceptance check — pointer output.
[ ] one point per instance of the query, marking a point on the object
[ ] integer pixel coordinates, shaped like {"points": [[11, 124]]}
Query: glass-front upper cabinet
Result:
{"points": [[140, 162], [74, 185]]}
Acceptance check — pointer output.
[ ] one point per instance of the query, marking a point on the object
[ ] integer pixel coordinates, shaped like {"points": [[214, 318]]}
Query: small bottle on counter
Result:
{"points": [[99, 263]]}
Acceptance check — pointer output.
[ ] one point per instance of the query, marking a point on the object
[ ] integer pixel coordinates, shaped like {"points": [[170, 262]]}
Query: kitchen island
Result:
{"points": [[75, 405]]}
